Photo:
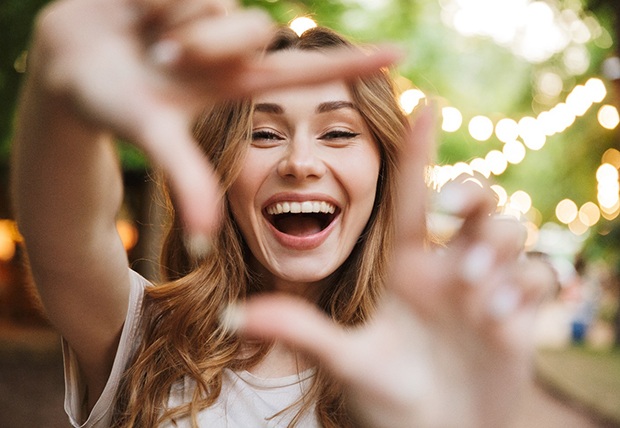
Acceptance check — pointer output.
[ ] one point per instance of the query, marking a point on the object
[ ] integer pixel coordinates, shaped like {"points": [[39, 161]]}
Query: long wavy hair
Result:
{"points": [[181, 332]]}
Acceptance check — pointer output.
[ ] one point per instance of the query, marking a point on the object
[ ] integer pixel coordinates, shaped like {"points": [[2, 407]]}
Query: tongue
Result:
{"points": [[298, 225]]}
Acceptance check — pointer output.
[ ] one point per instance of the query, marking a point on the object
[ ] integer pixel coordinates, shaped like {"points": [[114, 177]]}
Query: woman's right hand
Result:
{"points": [[143, 70]]}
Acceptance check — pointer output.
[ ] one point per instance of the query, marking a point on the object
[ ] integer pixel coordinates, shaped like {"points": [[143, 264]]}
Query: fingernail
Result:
{"points": [[450, 200], [477, 263], [165, 52], [198, 246], [232, 318], [504, 301], [443, 226]]}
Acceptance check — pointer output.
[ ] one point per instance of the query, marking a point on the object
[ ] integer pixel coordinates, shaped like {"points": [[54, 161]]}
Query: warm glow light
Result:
{"points": [[611, 156], [461, 168], [302, 24], [521, 201], [439, 176], [589, 214], [128, 233], [410, 99], [547, 122], [550, 84], [534, 30], [506, 130], [502, 195], [481, 128], [579, 100], [7, 243], [562, 117], [481, 166], [608, 116], [566, 211], [532, 133], [606, 172], [577, 227], [535, 216], [611, 212], [452, 119], [532, 235], [497, 162], [596, 89], [514, 151], [607, 196]]}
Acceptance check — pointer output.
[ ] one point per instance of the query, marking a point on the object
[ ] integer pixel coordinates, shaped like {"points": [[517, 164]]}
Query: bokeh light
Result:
{"points": [[566, 211], [608, 116], [302, 24], [452, 119], [410, 99], [480, 128]]}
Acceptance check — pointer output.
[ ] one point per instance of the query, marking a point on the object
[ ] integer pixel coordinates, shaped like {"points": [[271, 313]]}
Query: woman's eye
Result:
{"points": [[265, 135], [339, 134]]}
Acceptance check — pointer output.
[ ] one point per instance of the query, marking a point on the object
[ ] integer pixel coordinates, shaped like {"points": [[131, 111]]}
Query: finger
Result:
{"points": [[168, 142], [412, 188], [420, 277], [538, 280], [167, 14], [467, 203], [296, 323], [211, 41], [291, 68], [415, 273], [511, 288]]}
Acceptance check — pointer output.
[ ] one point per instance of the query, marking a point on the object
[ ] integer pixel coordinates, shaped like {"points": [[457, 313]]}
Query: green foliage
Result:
{"points": [[16, 18], [470, 73]]}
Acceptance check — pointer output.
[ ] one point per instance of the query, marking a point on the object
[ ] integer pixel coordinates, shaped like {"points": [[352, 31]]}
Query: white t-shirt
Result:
{"points": [[245, 401]]}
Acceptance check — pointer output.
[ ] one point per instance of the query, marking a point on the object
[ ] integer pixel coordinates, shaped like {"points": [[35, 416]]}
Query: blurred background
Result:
{"points": [[529, 93]]}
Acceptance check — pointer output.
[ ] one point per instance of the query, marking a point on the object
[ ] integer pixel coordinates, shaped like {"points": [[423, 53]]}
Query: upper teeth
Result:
{"points": [[301, 207]]}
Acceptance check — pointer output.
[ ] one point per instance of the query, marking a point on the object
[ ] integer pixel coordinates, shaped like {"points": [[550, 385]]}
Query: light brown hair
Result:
{"points": [[181, 333]]}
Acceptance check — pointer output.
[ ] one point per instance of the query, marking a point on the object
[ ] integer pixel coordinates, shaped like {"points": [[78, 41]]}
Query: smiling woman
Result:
{"points": [[309, 133], [280, 156], [320, 302]]}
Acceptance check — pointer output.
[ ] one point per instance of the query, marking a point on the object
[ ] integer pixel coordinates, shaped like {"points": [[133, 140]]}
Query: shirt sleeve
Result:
{"points": [[101, 414]]}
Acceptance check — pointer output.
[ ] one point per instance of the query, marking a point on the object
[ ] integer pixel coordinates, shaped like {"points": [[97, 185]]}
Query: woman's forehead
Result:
{"points": [[316, 94]]}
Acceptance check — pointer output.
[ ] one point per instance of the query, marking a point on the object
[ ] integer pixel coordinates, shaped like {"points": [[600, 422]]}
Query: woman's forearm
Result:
{"points": [[66, 182]]}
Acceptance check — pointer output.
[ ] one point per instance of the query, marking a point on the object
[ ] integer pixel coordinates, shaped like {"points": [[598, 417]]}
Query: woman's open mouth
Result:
{"points": [[301, 219]]}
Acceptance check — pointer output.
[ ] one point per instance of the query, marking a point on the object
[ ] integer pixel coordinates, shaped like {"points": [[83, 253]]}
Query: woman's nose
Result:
{"points": [[301, 161]]}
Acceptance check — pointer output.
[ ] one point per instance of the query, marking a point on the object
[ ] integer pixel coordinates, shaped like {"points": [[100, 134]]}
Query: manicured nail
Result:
{"points": [[504, 301], [451, 200], [477, 263], [232, 318], [443, 226], [165, 52], [198, 246]]}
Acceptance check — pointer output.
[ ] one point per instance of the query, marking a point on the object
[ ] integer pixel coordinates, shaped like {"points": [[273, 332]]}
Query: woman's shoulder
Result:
{"points": [[101, 413]]}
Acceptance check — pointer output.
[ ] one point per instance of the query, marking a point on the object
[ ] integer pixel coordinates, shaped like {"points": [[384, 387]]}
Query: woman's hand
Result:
{"points": [[451, 342], [142, 70]]}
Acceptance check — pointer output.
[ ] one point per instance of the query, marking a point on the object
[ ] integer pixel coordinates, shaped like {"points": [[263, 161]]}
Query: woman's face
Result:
{"points": [[307, 186]]}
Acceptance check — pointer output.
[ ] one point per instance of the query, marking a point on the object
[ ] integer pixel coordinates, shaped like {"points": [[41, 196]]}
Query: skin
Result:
{"points": [[94, 73], [458, 350], [300, 139]]}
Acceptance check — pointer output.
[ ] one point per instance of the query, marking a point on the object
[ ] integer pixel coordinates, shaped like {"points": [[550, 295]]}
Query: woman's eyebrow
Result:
{"points": [[334, 105], [268, 108]]}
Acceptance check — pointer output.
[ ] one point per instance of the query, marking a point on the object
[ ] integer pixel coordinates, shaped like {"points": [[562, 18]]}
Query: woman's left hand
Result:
{"points": [[451, 342]]}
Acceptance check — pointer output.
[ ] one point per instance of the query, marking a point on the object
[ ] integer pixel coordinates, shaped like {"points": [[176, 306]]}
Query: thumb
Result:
{"points": [[296, 323]]}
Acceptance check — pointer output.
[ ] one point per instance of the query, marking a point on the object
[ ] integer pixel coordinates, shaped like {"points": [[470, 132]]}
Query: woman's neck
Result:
{"points": [[280, 361]]}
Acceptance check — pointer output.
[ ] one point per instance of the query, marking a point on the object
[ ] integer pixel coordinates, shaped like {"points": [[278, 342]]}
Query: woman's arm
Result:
{"points": [[67, 190]]}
